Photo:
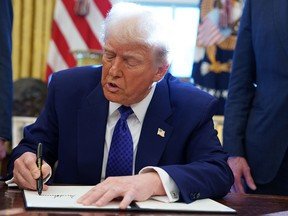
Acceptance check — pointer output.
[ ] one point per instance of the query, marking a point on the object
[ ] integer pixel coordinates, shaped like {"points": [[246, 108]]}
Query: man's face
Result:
{"points": [[128, 72]]}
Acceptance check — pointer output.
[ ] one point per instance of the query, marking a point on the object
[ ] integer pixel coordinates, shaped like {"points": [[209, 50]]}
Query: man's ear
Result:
{"points": [[161, 72]]}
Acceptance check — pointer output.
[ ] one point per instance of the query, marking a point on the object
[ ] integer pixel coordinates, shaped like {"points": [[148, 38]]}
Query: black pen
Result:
{"points": [[39, 165]]}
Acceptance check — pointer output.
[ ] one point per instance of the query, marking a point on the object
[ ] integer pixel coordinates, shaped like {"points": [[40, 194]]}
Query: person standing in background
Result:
{"points": [[216, 40], [256, 115], [6, 19]]}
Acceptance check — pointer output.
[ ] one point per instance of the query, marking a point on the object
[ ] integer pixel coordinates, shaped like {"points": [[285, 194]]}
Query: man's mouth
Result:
{"points": [[112, 87]]}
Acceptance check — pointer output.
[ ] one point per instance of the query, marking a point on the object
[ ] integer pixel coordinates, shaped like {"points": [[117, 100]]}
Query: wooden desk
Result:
{"points": [[11, 203]]}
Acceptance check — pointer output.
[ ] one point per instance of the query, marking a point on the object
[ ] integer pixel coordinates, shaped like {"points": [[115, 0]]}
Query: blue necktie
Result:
{"points": [[120, 157]]}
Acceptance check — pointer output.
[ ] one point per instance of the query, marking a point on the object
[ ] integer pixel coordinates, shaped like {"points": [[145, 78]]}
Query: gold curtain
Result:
{"points": [[31, 36]]}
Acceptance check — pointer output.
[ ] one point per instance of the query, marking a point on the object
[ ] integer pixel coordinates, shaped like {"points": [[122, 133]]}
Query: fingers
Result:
{"points": [[25, 174], [112, 188], [46, 169], [249, 180], [232, 189], [241, 171], [138, 187], [92, 195], [102, 193], [127, 199], [23, 183], [238, 186], [30, 162], [45, 187], [108, 196]]}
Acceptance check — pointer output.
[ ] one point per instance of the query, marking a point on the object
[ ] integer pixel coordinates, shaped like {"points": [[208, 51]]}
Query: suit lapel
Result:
{"points": [[92, 118], [151, 143], [281, 21]]}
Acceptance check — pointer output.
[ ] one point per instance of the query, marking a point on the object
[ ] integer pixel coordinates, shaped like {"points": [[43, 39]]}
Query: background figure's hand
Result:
{"points": [[241, 171], [138, 187], [2, 149], [26, 171]]}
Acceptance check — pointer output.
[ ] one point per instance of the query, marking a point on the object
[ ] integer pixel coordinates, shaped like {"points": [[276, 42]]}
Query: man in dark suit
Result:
{"points": [[6, 16], [175, 152], [256, 117]]}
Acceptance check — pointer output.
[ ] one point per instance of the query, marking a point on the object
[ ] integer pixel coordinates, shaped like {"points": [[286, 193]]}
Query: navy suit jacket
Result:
{"points": [[73, 123], [6, 17], [256, 116]]}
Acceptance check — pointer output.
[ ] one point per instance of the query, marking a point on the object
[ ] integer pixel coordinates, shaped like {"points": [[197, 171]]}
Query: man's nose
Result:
{"points": [[116, 68]]}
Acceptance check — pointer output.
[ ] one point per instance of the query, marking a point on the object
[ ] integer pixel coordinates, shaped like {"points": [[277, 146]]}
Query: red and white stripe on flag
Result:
{"points": [[71, 32], [209, 33]]}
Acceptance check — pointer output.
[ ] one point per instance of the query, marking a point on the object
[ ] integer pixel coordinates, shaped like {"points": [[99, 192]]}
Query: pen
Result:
{"points": [[39, 165]]}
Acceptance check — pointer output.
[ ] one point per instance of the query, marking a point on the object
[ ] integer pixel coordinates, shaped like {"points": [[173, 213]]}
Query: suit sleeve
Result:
{"points": [[6, 17], [241, 88], [206, 173]]}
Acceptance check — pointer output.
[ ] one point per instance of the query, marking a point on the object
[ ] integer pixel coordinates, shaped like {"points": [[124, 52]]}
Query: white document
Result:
{"points": [[65, 197], [61, 197], [203, 205]]}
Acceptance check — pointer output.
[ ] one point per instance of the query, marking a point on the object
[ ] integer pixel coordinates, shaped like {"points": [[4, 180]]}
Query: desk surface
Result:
{"points": [[11, 203]]}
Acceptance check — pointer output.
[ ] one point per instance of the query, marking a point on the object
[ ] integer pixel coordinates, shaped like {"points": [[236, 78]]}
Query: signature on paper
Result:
{"points": [[55, 196]]}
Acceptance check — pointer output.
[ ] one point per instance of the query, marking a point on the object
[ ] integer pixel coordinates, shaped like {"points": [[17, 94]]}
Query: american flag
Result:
{"points": [[76, 26], [209, 30]]}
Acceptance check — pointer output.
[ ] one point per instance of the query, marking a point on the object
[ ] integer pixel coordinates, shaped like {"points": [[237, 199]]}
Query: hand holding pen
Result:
{"points": [[26, 171]]}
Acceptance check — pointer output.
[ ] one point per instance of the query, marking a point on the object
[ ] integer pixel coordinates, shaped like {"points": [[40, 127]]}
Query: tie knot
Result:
{"points": [[125, 112]]}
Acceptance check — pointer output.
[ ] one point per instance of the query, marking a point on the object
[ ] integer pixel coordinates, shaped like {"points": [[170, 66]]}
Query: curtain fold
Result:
{"points": [[31, 36]]}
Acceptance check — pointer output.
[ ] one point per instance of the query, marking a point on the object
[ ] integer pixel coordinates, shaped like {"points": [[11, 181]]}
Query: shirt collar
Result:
{"points": [[139, 109]]}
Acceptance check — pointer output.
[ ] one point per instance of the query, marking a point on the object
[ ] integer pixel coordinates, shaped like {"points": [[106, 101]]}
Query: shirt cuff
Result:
{"points": [[170, 187], [11, 182]]}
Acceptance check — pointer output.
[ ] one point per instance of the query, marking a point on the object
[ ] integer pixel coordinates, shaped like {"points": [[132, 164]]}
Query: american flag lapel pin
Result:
{"points": [[161, 132]]}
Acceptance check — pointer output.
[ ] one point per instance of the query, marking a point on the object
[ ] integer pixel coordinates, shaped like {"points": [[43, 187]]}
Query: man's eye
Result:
{"points": [[109, 55], [132, 62]]}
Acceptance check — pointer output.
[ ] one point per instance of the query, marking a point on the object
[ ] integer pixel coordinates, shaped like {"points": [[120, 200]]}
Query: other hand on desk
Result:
{"points": [[138, 187]]}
